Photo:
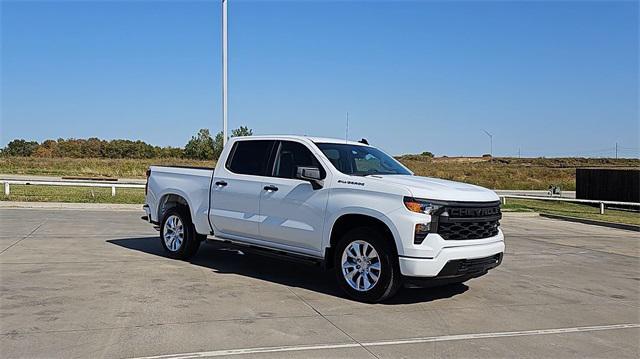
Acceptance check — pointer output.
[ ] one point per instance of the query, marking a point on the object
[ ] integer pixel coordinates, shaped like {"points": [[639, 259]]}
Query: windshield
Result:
{"points": [[361, 160]]}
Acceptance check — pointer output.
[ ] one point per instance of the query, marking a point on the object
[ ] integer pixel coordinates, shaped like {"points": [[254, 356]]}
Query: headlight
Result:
{"points": [[421, 205]]}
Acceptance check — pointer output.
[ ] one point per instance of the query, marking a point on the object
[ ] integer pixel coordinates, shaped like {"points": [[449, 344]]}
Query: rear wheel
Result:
{"points": [[366, 265], [178, 235]]}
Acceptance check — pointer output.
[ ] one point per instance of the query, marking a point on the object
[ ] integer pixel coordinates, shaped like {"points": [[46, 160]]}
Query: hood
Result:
{"points": [[439, 189]]}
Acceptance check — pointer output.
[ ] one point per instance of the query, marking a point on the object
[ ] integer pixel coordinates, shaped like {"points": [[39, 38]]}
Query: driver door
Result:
{"points": [[292, 211]]}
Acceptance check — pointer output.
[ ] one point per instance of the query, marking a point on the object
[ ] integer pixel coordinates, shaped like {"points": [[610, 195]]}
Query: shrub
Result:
{"points": [[201, 146], [20, 148]]}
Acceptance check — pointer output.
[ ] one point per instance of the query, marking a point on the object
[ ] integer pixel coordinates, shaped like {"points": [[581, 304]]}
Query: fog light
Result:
{"points": [[421, 231]]}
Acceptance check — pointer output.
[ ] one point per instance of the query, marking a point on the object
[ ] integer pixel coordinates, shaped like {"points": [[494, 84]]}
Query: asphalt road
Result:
{"points": [[96, 284]]}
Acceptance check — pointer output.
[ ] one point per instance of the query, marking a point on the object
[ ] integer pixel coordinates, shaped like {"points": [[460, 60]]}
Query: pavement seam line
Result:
{"points": [[25, 237], [330, 322], [443, 338]]}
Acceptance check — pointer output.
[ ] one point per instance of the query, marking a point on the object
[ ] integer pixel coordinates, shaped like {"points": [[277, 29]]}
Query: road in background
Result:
{"points": [[533, 193], [97, 284]]}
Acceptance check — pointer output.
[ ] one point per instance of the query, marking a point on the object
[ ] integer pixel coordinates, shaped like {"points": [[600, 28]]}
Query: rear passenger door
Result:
{"points": [[237, 187], [292, 210]]}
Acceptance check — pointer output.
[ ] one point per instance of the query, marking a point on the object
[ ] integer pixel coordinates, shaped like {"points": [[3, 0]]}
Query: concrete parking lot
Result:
{"points": [[78, 283]]}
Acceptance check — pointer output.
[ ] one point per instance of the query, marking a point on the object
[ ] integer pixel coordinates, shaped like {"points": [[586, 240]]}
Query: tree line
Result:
{"points": [[201, 146]]}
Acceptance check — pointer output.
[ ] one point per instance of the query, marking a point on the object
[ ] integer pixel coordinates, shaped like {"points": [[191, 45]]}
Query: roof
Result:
{"points": [[310, 138]]}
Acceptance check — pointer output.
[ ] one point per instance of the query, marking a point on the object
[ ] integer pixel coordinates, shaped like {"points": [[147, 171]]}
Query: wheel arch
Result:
{"points": [[348, 221], [171, 199]]}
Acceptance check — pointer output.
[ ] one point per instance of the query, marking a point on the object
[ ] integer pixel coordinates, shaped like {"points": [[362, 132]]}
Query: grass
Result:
{"points": [[510, 173], [499, 173], [89, 167], [24, 193], [573, 210]]}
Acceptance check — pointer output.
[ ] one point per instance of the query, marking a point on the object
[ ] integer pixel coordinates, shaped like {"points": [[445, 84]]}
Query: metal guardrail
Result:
{"points": [[602, 204], [113, 186]]}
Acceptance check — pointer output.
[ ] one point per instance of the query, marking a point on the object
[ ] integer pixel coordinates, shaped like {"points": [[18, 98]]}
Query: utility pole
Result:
{"points": [[225, 69], [519, 152], [346, 132], [491, 141], [616, 150]]}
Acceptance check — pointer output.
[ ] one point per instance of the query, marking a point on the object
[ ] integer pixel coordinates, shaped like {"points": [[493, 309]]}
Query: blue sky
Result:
{"points": [[548, 78]]}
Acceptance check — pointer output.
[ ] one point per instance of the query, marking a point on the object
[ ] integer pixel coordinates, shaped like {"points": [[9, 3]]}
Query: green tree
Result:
{"points": [[238, 132], [20, 148], [200, 146], [217, 145], [242, 131], [427, 154]]}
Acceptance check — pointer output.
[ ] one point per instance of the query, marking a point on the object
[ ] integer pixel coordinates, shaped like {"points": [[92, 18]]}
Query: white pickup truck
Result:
{"points": [[345, 205]]}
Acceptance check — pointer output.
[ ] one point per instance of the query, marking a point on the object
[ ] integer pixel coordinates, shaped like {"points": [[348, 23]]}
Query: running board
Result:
{"points": [[156, 225], [267, 252]]}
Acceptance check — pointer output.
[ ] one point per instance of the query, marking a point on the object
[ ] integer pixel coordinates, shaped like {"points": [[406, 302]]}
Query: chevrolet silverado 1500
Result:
{"points": [[345, 205]]}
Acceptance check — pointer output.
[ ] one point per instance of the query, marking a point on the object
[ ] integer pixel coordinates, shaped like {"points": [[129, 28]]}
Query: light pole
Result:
{"points": [[225, 70], [491, 140]]}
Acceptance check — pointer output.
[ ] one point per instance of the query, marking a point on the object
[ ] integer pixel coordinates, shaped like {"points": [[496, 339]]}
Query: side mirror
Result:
{"points": [[311, 174]]}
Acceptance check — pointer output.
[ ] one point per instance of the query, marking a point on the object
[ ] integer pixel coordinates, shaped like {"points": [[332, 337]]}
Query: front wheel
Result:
{"points": [[178, 235], [366, 265]]}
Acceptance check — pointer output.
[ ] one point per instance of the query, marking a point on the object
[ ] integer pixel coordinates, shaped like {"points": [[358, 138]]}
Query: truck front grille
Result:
{"points": [[467, 220], [468, 230]]}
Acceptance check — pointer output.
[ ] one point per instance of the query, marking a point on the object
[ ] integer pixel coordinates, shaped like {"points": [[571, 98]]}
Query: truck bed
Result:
{"points": [[191, 183]]}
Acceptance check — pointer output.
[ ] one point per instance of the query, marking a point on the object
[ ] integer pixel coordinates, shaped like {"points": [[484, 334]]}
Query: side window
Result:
{"points": [[250, 157], [292, 155], [338, 158]]}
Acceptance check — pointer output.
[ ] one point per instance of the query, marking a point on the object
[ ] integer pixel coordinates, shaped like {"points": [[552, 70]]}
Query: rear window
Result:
{"points": [[250, 157]]}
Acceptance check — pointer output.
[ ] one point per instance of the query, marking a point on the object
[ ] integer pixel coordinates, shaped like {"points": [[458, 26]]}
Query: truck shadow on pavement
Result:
{"points": [[230, 261]]}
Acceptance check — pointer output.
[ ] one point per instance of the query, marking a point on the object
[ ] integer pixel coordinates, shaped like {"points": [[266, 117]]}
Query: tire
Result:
{"points": [[382, 262], [178, 220]]}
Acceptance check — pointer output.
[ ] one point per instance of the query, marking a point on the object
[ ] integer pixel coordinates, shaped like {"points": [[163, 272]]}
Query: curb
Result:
{"points": [[628, 227], [71, 206], [519, 214]]}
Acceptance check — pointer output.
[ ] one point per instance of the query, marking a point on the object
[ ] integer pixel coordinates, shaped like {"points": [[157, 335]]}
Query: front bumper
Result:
{"points": [[428, 257], [434, 267], [457, 271]]}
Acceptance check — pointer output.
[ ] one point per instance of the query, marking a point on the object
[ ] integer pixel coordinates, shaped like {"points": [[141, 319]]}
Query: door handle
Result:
{"points": [[221, 183], [270, 188]]}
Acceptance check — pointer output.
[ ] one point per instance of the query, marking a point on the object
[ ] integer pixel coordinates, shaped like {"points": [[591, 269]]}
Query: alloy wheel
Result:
{"points": [[173, 233], [361, 266]]}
